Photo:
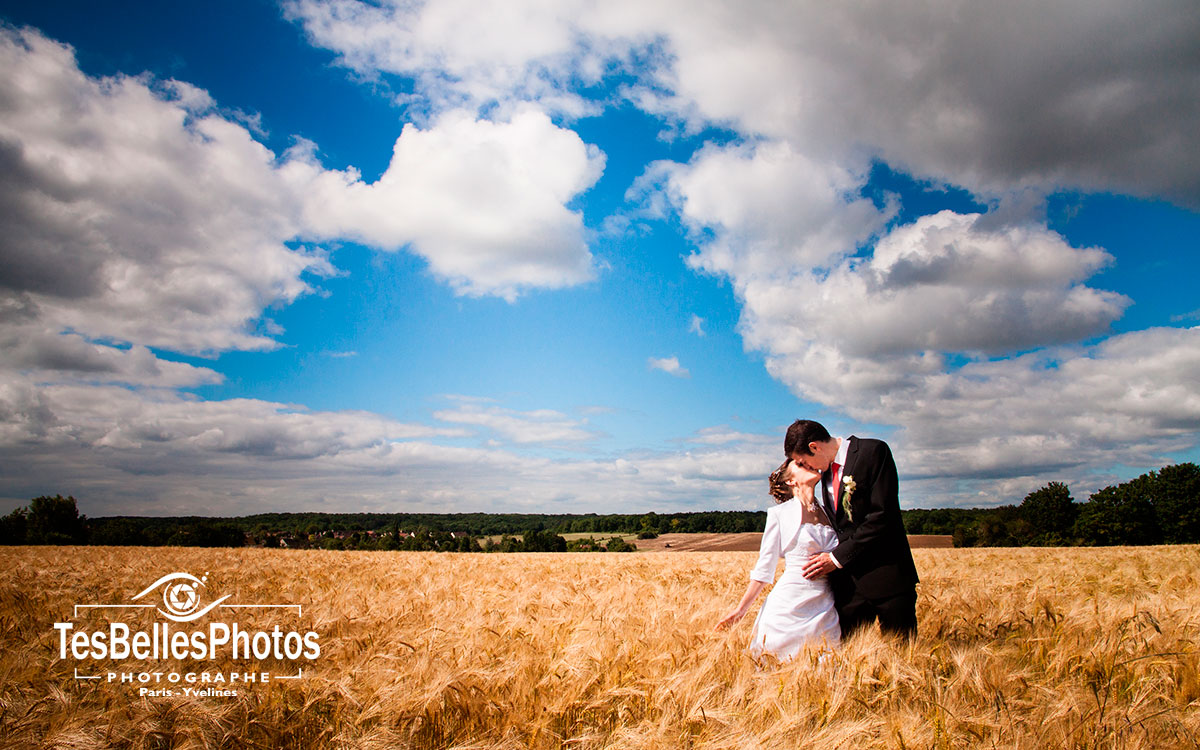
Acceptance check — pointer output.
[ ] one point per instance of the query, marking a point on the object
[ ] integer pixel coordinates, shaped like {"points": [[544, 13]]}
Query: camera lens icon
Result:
{"points": [[181, 598]]}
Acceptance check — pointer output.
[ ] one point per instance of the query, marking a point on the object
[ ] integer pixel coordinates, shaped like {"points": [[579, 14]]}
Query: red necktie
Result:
{"points": [[835, 480]]}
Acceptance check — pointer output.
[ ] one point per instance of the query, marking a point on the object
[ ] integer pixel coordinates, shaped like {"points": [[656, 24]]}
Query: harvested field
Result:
{"points": [[744, 542]]}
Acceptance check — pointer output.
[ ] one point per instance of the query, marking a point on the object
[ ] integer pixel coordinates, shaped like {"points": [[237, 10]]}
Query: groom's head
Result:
{"points": [[809, 444]]}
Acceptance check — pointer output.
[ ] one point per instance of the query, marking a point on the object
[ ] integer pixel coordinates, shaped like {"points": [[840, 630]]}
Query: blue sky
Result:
{"points": [[343, 256]]}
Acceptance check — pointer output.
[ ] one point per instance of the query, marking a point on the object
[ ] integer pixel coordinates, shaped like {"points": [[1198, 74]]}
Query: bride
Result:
{"points": [[798, 612]]}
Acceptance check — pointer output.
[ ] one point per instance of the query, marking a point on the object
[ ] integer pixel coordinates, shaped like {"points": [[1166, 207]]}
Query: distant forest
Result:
{"points": [[1159, 507]]}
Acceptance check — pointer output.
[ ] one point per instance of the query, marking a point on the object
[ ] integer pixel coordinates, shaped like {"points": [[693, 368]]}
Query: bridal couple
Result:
{"points": [[837, 526]]}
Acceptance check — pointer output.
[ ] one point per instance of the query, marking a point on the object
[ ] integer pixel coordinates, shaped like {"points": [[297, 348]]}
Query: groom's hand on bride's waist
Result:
{"points": [[820, 564]]}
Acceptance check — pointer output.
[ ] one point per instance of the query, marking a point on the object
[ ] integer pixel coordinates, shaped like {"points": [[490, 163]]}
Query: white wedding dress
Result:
{"points": [[798, 613]]}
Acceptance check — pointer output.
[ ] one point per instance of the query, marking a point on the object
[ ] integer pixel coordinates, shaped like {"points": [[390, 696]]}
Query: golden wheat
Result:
{"points": [[1077, 648]]}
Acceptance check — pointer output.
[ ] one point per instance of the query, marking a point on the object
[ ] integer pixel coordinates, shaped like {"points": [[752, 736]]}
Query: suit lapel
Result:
{"points": [[827, 497]]}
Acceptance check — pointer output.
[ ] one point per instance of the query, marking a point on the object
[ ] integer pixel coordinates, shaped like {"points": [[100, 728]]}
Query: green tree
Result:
{"points": [[1175, 493], [117, 532], [55, 520], [208, 534], [1118, 515], [966, 535], [588, 544], [650, 522], [13, 527], [1050, 513], [617, 544], [537, 540]]}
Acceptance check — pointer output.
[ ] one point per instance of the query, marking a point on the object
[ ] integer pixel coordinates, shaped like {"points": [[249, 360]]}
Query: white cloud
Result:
{"points": [[156, 453], [130, 211], [991, 97], [152, 422], [483, 202], [669, 365], [523, 427], [772, 209], [68, 356], [725, 435], [697, 326], [875, 335], [1132, 398], [462, 54], [135, 215], [1009, 101], [941, 285]]}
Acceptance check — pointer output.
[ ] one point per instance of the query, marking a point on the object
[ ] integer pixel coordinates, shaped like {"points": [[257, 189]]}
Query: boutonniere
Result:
{"points": [[848, 487]]}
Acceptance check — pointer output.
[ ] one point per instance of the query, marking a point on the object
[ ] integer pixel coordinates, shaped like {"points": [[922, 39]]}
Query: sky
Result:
{"points": [[562, 256]]}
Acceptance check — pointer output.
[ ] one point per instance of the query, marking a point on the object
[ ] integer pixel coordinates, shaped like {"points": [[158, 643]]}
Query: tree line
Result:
{"points": [[1159, 507], [56, 520]]}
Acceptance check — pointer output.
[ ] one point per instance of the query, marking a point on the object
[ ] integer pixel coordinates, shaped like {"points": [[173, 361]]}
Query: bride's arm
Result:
{"points": [[763, 573], [738, 612]]}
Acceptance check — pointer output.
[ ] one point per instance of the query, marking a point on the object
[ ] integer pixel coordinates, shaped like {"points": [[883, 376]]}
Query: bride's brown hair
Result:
{"points": [[780, 490]]}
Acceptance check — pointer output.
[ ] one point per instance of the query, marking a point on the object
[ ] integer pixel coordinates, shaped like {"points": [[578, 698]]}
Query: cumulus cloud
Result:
{"points": [[463, 55], [131, 211], [697, 326], [725, 435], [879, 355], [68, 356], [669, 365], [1131, 397], [142, 451], [524, 427], [771, 208], [990, 97], [484, 203], [1008, 101], [134, 217], [881, 334], [134, 214], [941, 284]]}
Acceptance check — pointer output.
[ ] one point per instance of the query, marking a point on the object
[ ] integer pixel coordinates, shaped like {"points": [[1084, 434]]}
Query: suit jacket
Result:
{"points": [[873, 547]]}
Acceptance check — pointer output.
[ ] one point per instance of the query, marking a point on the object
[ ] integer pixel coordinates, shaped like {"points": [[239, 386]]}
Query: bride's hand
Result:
{"points": [[730, 619]]}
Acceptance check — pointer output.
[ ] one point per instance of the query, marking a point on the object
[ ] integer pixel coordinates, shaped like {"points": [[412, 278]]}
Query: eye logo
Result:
{"points": [[181, 596]]}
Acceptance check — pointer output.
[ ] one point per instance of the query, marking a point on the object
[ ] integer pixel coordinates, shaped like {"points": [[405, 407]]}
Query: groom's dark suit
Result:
{"points": [[878, 577]]}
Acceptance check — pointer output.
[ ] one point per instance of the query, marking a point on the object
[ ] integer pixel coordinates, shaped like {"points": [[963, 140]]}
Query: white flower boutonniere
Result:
{"points": [[848, 487]]}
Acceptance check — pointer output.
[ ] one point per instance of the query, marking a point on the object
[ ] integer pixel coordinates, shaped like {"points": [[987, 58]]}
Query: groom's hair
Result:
{"points": [[800, 434]]}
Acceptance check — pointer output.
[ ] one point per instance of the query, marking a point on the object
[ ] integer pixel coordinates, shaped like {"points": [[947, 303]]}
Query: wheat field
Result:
{"points": [[1076, 648]]}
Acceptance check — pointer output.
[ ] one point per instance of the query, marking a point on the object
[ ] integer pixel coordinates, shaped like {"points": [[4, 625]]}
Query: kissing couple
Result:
{"points": [[837, 525]]}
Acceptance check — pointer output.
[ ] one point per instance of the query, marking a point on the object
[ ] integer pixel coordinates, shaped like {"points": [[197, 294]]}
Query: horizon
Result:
{"points": [[543, 513], [331, 256]]}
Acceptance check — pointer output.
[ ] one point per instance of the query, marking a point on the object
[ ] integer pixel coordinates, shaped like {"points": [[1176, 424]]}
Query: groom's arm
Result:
{"points": [[875, 525]]}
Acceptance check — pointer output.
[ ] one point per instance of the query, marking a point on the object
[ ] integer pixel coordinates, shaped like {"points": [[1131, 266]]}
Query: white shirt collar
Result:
{"points": [[843, 447]]}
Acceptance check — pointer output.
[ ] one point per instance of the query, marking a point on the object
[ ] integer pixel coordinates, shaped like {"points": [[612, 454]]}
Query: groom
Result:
{"points": [[871, 571]]}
